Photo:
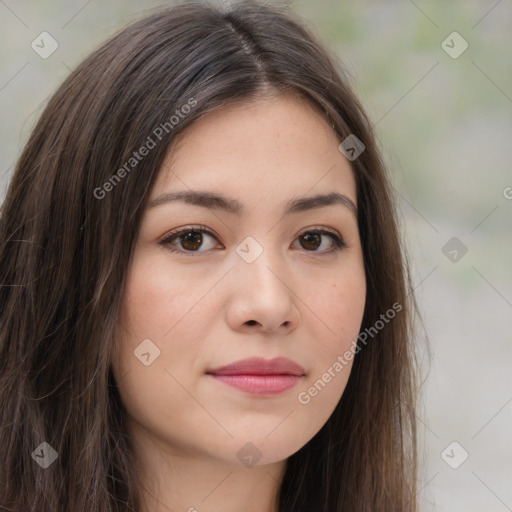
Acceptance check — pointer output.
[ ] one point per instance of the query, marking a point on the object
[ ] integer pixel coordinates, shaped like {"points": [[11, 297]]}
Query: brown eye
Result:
{"points": [[191, 240], [311, 241], [188, 240]]}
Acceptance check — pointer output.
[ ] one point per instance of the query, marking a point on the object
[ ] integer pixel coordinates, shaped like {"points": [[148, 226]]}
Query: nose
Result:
{"points": [[262, 296]]}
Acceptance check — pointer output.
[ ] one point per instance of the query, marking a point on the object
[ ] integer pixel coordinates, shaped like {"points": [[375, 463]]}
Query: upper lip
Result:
{"points": [[260, 366]]}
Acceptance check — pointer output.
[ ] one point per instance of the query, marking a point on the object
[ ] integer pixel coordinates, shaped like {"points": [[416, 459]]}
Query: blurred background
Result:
{"points": [[436, 80]]}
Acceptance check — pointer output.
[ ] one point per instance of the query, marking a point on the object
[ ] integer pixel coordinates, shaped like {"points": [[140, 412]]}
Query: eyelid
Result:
{"points": [[178, 231], [338, 240]]}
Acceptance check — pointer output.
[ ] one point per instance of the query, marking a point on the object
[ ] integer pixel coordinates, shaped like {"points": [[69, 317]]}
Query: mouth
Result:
{"points": [[259, 376]]}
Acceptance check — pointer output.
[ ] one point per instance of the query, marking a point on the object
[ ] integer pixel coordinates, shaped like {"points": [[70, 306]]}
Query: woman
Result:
{"points": [[204, 301]]}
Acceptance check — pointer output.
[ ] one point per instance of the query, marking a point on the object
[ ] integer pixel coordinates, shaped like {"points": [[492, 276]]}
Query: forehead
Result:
{"points": [[263, 149]]}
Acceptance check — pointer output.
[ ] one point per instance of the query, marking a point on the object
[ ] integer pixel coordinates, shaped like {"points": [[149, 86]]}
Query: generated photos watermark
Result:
{"points": [[304, 397], [151, 142]]}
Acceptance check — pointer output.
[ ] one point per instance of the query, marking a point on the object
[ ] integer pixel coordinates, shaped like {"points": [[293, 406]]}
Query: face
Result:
{"points": [[253, 275]]}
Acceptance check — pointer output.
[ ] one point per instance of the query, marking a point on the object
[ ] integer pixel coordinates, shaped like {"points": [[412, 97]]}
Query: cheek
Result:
{"points": [[155, 307], [338, 307], [347, 312], [156, 299], [160, 305], [342, 314]]}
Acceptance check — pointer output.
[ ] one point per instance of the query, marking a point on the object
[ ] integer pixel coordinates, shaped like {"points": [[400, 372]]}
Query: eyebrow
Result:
{"points": [[215, 201]]}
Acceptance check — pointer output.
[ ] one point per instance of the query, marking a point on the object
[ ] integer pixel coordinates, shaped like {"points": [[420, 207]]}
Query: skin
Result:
{"points": [[208, 308]]}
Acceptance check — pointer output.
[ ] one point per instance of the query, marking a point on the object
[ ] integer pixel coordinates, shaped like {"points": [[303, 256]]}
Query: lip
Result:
{"points": [[259, 376]]}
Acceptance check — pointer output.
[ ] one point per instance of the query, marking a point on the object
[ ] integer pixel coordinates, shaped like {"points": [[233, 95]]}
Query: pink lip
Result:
{"points": [[260, 376]]}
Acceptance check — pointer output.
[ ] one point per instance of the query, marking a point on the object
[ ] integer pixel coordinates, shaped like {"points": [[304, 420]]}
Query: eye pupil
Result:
{"points": [[193, 237], [309, 238]]}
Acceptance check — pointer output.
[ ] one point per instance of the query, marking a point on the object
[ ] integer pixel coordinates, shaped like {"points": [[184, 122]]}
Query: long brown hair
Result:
{"points": [[68, 226]]}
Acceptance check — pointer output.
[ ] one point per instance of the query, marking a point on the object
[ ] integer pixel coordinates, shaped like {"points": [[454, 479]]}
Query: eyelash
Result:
{"points": [[338, 242]]}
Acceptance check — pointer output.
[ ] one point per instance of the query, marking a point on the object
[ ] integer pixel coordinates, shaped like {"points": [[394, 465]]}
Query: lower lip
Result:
{"points": [[260, 384]]}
